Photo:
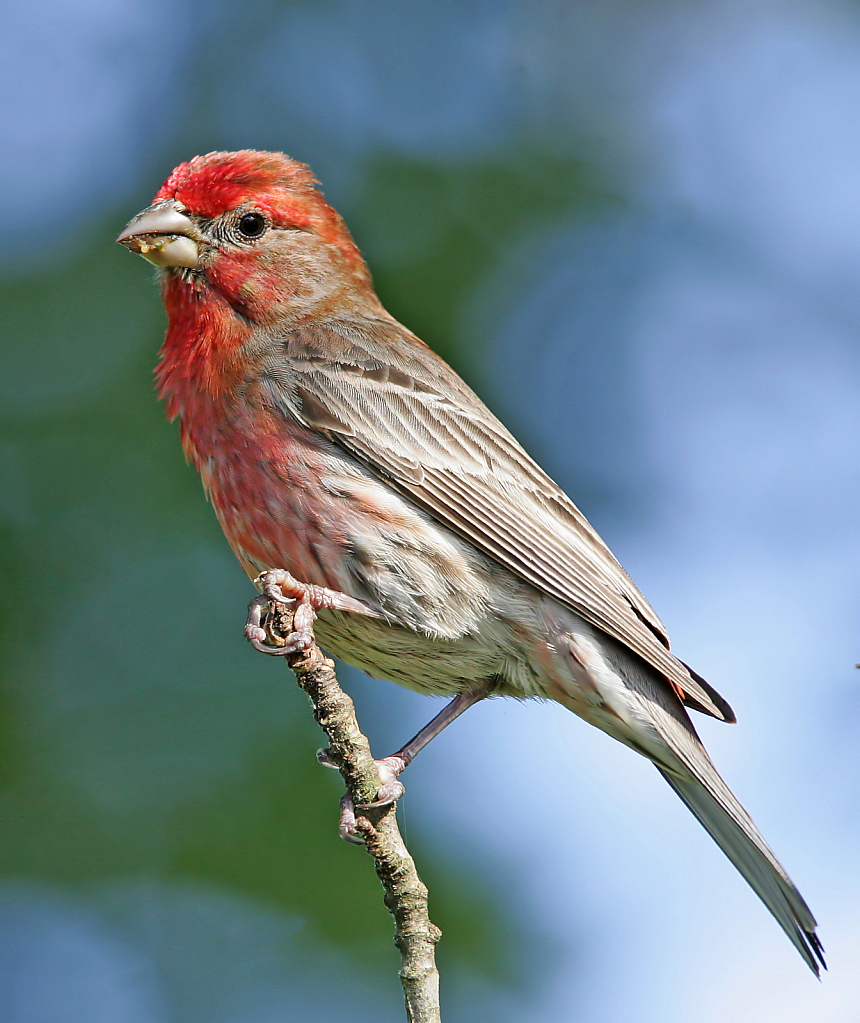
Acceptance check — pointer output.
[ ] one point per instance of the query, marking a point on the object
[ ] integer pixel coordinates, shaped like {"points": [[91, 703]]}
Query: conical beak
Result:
{"points": [[164, 235]]}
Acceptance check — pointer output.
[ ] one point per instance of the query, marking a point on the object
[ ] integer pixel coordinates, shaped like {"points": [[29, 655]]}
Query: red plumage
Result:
{"points": [[335, 445]]}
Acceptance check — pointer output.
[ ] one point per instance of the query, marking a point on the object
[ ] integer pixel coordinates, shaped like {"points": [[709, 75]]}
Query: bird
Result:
{"points": [[354, 472]]}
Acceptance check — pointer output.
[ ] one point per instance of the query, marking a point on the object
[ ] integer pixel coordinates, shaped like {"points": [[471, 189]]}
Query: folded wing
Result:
{"points": [[419, 426]]}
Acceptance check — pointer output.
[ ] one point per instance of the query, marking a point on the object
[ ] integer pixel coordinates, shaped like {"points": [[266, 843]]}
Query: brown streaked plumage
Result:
{"points": [[336, 446]]}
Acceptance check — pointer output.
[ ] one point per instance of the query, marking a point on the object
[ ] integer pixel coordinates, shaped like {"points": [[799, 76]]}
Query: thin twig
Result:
{"points": [[405, 893]]}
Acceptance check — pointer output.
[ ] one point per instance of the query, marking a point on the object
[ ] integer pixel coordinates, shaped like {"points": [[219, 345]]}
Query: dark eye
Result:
{"points": [[252, 225]]}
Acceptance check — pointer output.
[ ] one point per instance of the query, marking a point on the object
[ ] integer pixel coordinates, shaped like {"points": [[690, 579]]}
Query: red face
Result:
{"points": [[250, 225], [244, 241]]}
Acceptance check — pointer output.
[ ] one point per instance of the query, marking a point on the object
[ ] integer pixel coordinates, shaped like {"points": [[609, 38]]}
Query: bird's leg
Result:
{"points": [[392, 766], [279, 586]]}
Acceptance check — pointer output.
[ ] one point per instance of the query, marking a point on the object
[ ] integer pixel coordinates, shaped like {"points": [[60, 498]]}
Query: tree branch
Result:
{"points": [[405, 893]]}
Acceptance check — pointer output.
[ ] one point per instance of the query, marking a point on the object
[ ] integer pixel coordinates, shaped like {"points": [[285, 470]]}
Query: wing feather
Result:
{"points": [[434, 441]]}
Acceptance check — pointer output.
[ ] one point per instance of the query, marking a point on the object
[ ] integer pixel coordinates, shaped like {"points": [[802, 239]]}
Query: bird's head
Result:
{"points": [[248, 248], [250, 229]]}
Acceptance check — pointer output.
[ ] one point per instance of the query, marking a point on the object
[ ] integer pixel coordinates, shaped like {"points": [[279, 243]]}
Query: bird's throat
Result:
{"points": [[201, 358]]}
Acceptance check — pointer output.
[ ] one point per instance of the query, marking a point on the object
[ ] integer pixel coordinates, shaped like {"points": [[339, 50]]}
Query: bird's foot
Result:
{"points": [[279, 587], [390, 790]]}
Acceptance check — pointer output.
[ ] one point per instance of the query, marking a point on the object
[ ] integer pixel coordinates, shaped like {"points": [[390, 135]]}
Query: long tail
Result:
{"points": [[731, 827], [647, 715]]}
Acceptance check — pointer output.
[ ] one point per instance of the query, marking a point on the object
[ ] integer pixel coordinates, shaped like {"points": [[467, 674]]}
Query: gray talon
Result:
{"points": [[326, 759]]}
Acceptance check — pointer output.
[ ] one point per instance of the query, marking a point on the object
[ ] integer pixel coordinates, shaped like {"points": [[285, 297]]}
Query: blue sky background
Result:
{"points": [[635, 229]]}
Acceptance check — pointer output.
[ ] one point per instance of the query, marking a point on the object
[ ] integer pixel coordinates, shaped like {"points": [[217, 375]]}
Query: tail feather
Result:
{"points": [[650, 718], [723, 817]]}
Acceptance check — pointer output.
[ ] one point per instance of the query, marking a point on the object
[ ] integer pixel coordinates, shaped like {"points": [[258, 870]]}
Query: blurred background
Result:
{"points": [[635, 229]]}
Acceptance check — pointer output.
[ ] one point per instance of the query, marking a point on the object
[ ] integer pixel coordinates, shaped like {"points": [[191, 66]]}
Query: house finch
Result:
{"points": [[352, 468]]}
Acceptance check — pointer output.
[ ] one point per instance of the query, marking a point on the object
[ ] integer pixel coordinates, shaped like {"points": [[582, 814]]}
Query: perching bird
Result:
{"points": [[352, 464]]}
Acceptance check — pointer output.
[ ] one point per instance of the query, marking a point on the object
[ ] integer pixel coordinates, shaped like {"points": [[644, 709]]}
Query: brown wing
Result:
{"points": [[433, 439]]}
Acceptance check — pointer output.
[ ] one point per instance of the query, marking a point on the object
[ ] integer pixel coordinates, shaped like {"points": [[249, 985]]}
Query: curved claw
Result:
{"points": [[389, 791], [294, 643], [257, 636], [272, 591], [326, 759], [386, 796], [267, 648], [348, 827], [391, 788]]}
